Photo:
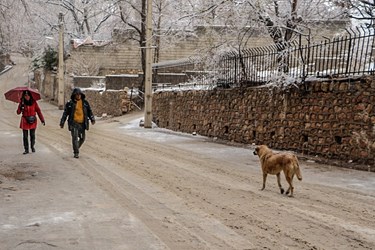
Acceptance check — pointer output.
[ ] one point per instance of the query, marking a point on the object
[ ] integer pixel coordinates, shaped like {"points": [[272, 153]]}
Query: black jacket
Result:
{"points": [[70, 108]]}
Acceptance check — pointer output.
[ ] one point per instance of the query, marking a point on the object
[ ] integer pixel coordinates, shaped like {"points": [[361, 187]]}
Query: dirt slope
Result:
{"points": [[136, 188]]}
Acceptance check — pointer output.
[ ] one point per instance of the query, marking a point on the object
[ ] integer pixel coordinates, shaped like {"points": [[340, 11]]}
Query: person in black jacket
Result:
{"points": [[78, 112]]}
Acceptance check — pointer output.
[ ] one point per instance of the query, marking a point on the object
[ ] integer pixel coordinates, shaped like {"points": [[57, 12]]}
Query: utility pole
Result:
{"points": [[60, 75], [148, 73]]}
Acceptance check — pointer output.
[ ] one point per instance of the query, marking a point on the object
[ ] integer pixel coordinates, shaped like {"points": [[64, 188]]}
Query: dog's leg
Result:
{"points": [[291, 188], [264, 181], [279, 183]]}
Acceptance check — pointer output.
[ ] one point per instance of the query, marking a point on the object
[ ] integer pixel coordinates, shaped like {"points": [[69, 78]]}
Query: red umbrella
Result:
{"points": [[15, 94]]}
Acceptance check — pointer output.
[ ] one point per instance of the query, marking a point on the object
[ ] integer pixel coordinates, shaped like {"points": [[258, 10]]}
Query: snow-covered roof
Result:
{"points": [[88, 41]]}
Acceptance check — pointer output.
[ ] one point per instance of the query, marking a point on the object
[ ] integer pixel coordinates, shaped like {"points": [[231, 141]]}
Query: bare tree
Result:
{"points": [[24, 25], [363, 11], [285, 20], [83, 18], [133, 15], [11, 22], [173, 21]]}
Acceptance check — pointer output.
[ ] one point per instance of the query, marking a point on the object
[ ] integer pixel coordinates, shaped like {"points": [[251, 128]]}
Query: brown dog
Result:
{"points": [[273, 163]]}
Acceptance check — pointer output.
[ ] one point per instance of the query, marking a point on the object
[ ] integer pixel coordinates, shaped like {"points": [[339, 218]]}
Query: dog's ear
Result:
{"points": [[256, 151]]}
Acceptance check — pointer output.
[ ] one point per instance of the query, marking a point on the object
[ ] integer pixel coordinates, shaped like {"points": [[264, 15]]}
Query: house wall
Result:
{"points": [[323, 120], [110, 59], [123, 56]]}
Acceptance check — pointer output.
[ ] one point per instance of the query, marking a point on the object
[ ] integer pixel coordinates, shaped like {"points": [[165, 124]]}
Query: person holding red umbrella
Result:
{"points": [[29, 108]]}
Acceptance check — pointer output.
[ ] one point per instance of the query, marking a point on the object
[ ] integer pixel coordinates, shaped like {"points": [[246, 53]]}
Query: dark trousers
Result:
{"points": [[26, 139], [78, 136]]}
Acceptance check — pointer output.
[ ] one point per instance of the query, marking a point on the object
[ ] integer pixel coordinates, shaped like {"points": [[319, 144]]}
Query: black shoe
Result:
{"points": [[33, 150], [76, 156], [26, 152]]}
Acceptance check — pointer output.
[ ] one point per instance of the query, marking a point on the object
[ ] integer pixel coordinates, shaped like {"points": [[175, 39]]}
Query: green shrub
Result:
{"points": [[47, 60]]}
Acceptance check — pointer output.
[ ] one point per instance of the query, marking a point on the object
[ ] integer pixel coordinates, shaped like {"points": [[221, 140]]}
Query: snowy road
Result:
{"points": [[136, 188]]}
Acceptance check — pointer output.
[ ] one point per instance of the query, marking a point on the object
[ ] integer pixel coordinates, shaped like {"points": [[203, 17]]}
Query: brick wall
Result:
{"points": [[110, 59], [332, 119], [123, 56]]}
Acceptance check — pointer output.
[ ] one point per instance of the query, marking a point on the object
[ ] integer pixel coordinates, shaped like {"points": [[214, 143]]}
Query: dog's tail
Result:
{"points": [[297, 169]]}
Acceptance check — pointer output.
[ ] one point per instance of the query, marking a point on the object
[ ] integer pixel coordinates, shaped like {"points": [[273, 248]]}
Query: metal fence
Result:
{"points": [[344, 56], [348, 55]]}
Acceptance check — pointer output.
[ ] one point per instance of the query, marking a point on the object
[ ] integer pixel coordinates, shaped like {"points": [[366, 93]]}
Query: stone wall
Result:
{"points": [[49, 86], [119, 82], [88, 81], [114, 103], [5, 60], [332, 119], [109, 102], [122, 81]]}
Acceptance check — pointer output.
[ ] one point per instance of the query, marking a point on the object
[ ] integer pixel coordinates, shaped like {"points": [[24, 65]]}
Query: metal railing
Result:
{"points": [[347, 55], [344, 56]]}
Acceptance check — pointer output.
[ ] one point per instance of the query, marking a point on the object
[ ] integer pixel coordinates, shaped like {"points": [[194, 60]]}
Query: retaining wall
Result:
{"points": [[333, 119], [109, 102], [114, 103]]}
